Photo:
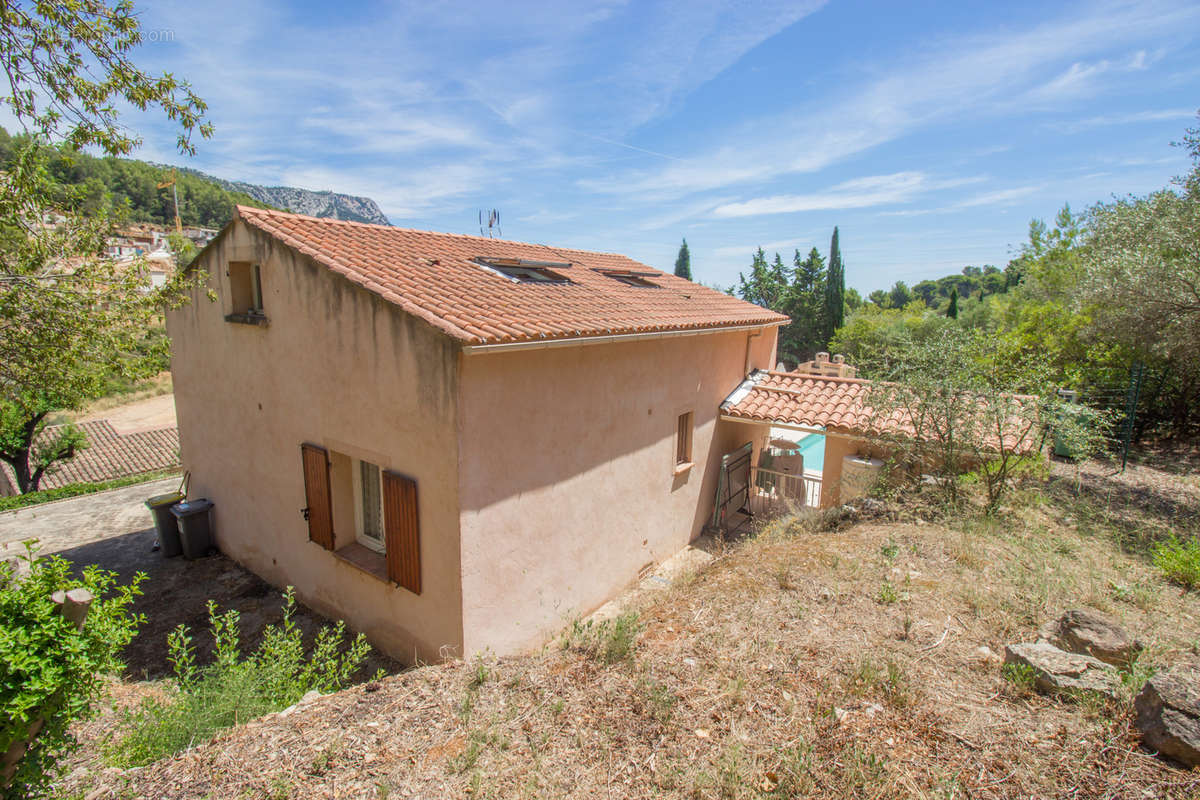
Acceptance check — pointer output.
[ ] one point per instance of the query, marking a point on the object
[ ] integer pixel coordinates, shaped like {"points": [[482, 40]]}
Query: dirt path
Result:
{"points": [[114, 530], [140, 415]]}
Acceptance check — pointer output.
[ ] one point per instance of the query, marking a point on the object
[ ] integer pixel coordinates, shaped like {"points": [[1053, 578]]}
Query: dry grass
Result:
{"points": [[801, 663]]}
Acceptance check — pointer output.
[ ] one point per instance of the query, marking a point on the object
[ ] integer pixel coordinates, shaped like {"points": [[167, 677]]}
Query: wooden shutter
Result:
{"points": [[401, 526], [319, 510], [683, 439]]}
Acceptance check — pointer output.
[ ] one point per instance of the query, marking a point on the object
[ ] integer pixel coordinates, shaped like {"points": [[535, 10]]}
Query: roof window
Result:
{"points": [[521, 270], [630, 279]]}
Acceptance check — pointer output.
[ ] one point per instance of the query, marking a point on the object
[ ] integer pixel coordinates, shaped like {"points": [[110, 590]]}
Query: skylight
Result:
{"points": [[631, 279], [519, 270]]}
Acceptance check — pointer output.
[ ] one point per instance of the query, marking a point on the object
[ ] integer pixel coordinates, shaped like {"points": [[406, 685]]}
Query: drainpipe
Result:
{"points": [[749, 337]]}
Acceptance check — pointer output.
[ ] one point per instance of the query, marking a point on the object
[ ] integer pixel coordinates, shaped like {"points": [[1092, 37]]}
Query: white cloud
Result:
{"points": [[858, 193], [1104, 120], [969, 75], [999, 197]]}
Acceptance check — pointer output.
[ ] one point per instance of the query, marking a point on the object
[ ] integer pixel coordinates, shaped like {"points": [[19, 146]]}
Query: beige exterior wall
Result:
{"points": [[567, 472], [838, 447], [343, 369]]}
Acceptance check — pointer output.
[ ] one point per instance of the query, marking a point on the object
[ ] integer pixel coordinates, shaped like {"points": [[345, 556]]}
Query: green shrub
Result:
{"points": [[49, 669], [1179, 561], [1022, 677], [888, 594], [234, 688], [610, 641]]}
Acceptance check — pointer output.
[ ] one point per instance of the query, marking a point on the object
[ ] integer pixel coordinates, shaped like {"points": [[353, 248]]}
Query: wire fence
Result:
{"points": [[1121, 401]]}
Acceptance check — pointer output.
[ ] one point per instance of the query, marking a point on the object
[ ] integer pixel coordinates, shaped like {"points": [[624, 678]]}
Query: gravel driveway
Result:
{"points": [[114, 530]]}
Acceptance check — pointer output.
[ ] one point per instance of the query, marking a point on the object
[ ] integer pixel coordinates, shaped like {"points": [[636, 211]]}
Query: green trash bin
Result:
{"points": [[165, 522], [195, 527]]}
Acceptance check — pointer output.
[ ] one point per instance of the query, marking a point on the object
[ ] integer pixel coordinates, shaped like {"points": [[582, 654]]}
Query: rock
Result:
{"points": [[1168, 713], [870, 505], [984, 653], [1057, 671], [1087, 631]]}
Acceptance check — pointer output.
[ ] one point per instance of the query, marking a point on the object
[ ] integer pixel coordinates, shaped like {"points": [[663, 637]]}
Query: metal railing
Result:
{"points": [[779, 492]]}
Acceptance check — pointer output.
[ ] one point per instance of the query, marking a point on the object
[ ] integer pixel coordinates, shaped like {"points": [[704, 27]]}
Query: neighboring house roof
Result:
{"points": [[435, 276], [110, 454], [839, 405], [787, 398]]}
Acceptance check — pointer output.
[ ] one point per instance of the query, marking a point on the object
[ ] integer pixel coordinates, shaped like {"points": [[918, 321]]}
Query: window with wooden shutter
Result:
{"points": [[318, 501], [401, 524]]}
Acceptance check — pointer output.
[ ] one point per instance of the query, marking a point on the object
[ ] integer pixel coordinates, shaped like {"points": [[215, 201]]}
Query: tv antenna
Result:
{"points": [[490, 229]]}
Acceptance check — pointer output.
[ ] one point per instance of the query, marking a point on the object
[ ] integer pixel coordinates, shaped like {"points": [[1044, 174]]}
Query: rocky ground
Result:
{"points": [[864, 661]]}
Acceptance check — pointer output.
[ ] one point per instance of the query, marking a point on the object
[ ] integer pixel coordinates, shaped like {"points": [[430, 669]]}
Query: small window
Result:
{"points": [[683, 440], [368, 491], [524, 271], [246, 293], [632, 279], [245, 288]]}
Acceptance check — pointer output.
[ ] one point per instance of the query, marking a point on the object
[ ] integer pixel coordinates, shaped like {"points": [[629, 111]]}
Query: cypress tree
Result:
{"points": [[683, 262], [952, 311], [835, 289]]}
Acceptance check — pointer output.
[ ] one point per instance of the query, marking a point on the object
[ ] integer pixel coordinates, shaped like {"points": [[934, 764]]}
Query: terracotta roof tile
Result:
{"points": [[112, 455], [840, 405], [433, 276], [810, 400]]}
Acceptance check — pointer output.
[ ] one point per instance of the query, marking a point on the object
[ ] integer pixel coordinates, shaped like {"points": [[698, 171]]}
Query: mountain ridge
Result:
{"points": [[323, 203]]}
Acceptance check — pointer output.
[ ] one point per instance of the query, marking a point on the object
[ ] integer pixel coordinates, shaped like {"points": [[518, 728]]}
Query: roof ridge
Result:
{"points": [[813, 376], [254, 210]]}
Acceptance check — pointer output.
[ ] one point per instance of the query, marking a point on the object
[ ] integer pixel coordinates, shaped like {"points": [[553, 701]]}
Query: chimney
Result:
{"points": [[826, 367]]}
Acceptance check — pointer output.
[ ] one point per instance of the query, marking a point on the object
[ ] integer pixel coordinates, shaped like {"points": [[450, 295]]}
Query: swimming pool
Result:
{"points": [[813, 448], [810, 445]]}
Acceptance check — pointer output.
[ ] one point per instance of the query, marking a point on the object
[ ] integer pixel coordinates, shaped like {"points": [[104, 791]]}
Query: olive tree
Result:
{"points": [[70, 318], [959, 401], [1142, 261]]}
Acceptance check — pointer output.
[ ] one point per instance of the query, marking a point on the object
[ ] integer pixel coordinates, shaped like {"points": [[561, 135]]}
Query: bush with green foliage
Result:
{"points": [[1179, 561], [50, 669], [959, 402], [234, 688]]}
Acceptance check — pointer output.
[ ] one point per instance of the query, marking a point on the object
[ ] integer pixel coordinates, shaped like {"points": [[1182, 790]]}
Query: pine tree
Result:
{"points": [[952, 311], [835, 289], [805, 304], [683, 262], [766, 286]]}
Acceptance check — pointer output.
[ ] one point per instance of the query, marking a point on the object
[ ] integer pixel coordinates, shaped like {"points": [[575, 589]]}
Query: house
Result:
{"points": [[454, 443]]}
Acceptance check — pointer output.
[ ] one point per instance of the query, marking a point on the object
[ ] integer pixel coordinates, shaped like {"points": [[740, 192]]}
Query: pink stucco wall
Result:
{"points": [[566, 470], [343, 369], [546, 477]]}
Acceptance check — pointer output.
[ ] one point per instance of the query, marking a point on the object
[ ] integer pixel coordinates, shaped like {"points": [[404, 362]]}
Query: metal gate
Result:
{"points": [[732, 507]]}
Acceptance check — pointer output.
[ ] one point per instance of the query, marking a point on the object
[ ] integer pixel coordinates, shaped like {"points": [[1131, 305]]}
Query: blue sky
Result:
{"points": [[929, 132]]}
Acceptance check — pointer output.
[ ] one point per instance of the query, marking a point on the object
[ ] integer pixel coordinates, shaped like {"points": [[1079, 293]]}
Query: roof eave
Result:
{"points": [[581, 341]]}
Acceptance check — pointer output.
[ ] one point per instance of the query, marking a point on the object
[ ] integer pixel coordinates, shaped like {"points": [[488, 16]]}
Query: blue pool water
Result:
{"points": [[813, 448]]}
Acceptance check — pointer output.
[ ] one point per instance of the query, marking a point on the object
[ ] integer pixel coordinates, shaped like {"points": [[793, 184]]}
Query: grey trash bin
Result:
{"points": [[165, 522], [195, 527]]}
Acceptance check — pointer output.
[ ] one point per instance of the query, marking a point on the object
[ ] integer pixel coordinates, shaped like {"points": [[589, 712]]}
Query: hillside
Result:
{"points": [[204, 200], [305, 201], [855, 657]]}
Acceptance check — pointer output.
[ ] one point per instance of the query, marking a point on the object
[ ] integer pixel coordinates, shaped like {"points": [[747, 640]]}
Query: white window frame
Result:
{"points": [[376, 545]]}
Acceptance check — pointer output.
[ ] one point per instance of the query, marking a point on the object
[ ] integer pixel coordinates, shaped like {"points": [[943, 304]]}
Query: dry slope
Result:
{"points": [[800, 664]]}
